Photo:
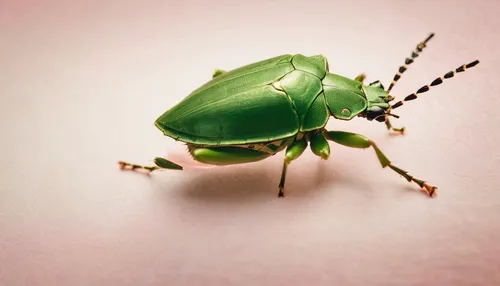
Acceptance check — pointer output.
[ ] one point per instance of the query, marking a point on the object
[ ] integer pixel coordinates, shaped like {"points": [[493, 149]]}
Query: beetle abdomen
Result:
{"points": [[257, 115]]}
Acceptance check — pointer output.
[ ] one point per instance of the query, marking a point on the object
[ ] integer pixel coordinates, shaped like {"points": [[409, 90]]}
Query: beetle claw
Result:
{"points": [[122, 165], [431, 190], [281, 194]]}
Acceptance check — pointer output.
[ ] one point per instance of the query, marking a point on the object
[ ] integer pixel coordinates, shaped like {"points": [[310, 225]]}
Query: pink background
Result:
{"points": [[82, 81]]}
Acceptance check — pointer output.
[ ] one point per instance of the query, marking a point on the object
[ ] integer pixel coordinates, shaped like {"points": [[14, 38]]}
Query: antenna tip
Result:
{"points": [[428, 38], [471, 64]]}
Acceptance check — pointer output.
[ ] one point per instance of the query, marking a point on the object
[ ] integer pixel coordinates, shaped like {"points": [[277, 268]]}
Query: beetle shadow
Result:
{"points": [[258, 182]]}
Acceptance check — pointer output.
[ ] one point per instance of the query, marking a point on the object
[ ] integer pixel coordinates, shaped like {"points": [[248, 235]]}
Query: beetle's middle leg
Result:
{"points": [[293, 151], [359, 141]]}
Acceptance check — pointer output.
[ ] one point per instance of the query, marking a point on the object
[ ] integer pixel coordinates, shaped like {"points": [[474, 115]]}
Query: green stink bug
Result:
{"points": [[255, 111]]}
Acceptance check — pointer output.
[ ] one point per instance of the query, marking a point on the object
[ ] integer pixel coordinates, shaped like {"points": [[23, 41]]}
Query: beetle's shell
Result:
{"points": [[252, 104]]}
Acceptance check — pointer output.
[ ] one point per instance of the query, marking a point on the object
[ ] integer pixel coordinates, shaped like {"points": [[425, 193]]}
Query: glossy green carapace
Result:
{"points": [[262, 102], [255, 111]]}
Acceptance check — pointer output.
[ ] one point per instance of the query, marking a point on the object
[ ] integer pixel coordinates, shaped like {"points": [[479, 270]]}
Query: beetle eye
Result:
{"points": [[375, 113]]}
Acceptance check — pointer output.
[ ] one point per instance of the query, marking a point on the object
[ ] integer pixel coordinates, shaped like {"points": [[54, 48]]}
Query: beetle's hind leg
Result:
{"points": [[226, 155], [160, 163], [359, 141]]}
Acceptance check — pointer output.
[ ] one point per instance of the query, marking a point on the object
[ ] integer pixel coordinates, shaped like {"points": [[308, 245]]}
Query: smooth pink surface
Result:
{"points": [[82, 81]]}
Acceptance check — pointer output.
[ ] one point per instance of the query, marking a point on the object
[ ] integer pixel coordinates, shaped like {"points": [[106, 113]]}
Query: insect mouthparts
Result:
{"points": [[393, 115]]}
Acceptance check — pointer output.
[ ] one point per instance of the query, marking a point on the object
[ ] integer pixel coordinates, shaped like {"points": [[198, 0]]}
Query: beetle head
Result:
{"points": [[378, 102]]}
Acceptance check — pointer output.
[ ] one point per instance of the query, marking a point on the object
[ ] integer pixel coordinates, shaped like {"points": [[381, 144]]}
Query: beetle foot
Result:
{"points": [[431, 190], [399, 131], [136, 168], [281, 194]]}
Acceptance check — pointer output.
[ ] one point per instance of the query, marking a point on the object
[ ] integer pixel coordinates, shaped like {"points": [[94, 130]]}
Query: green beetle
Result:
{"points": [[255, 111]]}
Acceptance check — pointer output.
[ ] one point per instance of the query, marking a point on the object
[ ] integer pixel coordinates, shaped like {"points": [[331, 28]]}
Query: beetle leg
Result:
{"points": [[217, 73], [359, 141], [389, 127], [161, 163], [228, 155], [319, 145], [360, 78], [293, 151]]}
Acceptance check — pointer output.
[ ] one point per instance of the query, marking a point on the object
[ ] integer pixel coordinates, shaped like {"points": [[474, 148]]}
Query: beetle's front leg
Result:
{"points": [[160, 163], [292, 152], [389, 127], [359, 141]]}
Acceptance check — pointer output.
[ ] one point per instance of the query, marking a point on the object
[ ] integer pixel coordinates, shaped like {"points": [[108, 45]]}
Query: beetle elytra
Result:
{"points": [[282, 103]]}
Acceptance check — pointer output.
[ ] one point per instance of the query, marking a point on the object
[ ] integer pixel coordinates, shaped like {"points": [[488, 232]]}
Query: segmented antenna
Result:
{"points": [[437, 81], [408, 61]]}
